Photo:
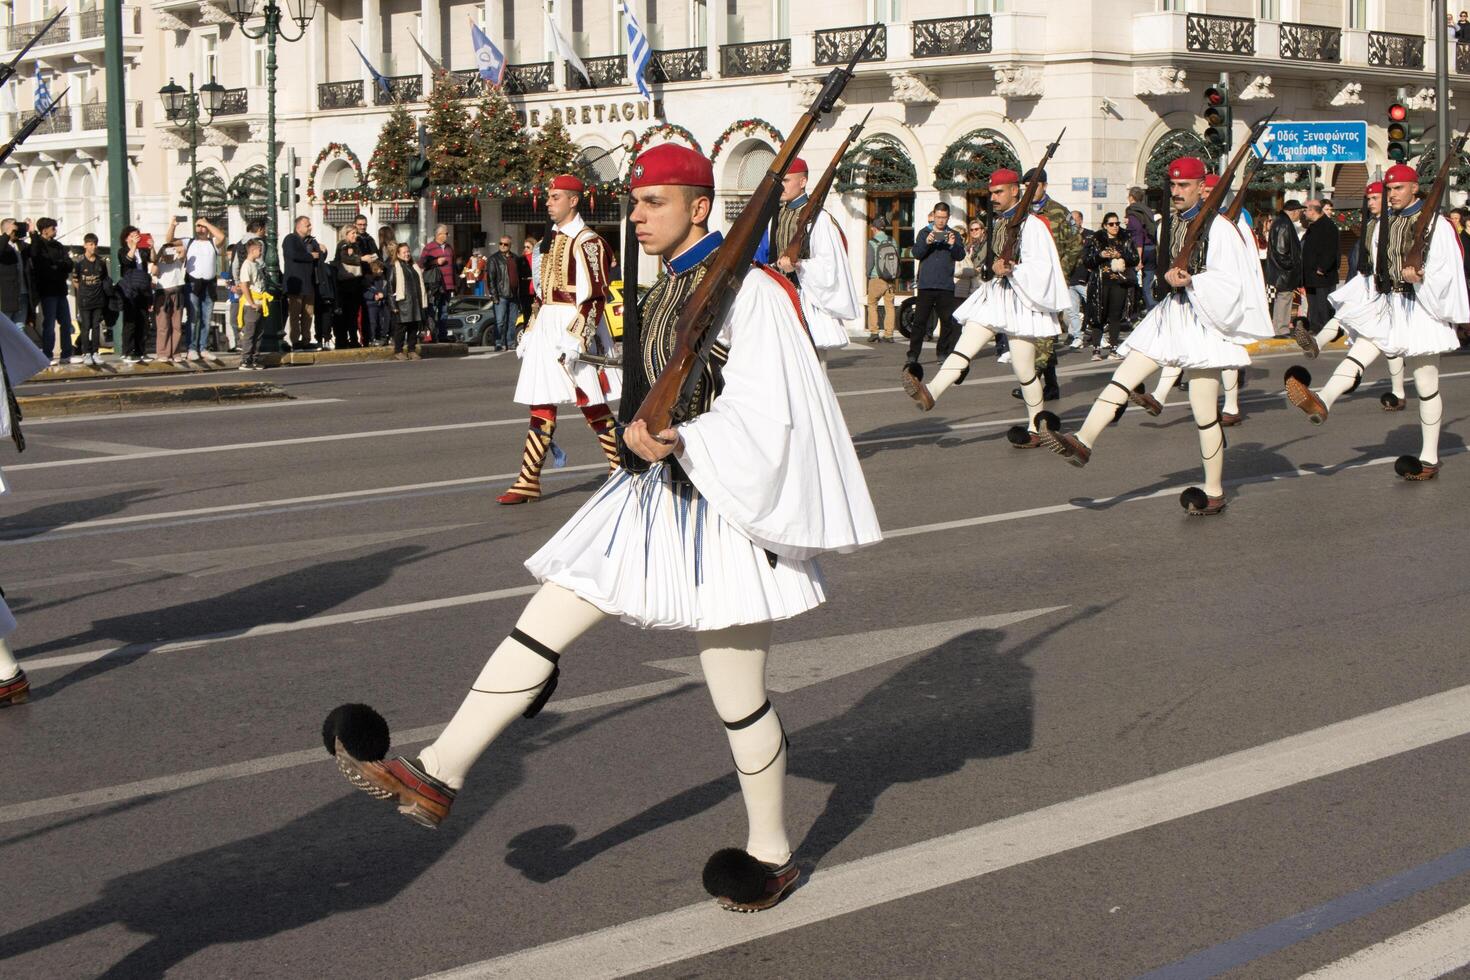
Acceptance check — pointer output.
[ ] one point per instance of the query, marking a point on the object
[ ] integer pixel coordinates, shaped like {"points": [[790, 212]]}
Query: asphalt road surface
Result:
{"points": [[1050, 727]]}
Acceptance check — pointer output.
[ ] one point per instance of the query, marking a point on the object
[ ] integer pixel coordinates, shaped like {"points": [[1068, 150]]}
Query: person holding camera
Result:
{"points": [[135, 289], [1112, 266], [15, 272], [168, 299], [201, 269], [51, 266], [937, 248]]}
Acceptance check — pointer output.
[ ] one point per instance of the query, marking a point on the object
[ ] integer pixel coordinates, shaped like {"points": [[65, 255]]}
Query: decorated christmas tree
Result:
{"points": [[398, 145], [553, 152], [448, 124], [500, 152]]}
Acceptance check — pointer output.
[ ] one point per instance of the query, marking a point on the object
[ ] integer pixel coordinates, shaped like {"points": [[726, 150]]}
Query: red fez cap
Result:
{"points": [[1374, 188], [1187, 168], [569, 182], [1003, 176], [798, 166], [1211, 180], [1401, 173], [670, 164]]}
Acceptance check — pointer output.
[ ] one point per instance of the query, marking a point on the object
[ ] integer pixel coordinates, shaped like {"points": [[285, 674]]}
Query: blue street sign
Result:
{"points": [[1079, 184], [1315, 142]]}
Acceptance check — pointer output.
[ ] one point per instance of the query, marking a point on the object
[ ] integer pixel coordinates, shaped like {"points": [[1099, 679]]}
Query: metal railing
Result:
{"points": [[525, 79], [236, 102], [755, 58], [20, 35], [953, 35], [678, 65], [1387, 50], [401, 88], [608, 72], [836, 46], [94, 115], [1220, 35], [1311, 42], [339, 95], [58, 122], [468, 81]]}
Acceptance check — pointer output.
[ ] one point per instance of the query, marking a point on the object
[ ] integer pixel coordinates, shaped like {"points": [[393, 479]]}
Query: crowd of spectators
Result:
{"points": [[358, 291]]}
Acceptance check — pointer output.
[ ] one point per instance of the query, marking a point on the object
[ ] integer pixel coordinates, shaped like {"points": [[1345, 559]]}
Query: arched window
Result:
{"points": [[969, 161], [878, 163]]}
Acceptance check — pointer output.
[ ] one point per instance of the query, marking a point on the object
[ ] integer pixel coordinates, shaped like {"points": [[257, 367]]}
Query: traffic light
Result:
{"points": [[1403, 135], [418, 176], [290, 191], [1219, 119]]}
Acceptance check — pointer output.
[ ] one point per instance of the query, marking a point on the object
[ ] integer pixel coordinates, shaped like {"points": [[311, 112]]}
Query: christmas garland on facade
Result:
{"points": [[667, 131], [746, 127], [328, 152]]}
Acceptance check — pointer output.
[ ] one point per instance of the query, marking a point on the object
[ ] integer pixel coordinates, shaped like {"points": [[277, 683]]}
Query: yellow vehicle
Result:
{"points": [[615, 310]]}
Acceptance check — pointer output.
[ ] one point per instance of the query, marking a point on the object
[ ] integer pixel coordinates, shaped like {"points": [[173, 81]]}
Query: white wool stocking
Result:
{"points": [[1204, 394], [1168, 378], [1396, 375], [1359, 356], [8, 666], [1330, 331], [973, 339], [1230, 381], [1130, 374], [1023, 363], [1431, 408], [510, 681], [734, 662]]}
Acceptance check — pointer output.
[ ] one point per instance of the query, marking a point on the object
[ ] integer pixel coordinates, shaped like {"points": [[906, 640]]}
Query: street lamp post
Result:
{"points": [[177, 102], [301, 12]]}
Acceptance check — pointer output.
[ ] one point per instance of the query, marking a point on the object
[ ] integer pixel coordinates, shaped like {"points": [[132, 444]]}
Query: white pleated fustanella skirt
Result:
{"points": [[1001, 308], [1173, 336], [658, 556]]}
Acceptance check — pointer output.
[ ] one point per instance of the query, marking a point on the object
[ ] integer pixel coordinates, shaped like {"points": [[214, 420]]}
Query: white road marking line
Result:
{"points": [[807, 662], [696, 930], [242, 407], [48, 441], [1431, 950]]}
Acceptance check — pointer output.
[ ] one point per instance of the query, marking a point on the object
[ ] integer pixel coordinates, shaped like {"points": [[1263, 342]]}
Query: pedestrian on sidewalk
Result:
{"points": [[936, 248], [15, 273], [1284, 263], [1112, 268], [410, 303], [94, 291], [503, 284], [1143, 231], [51, 266], [883, 268], [254, 302], [301, 255], [237, 253], [201, 272], [437, 259], [135, 290], [368, 248], [348, 270], [168, 300], [1320, 258]]}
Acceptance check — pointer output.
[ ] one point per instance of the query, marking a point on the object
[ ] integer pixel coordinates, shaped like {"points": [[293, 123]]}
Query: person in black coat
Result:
{"points": [[1112, 268], [1320, 259], [51, 267], [302, 259], [135, 289], [15, 274], [1284, 262]]}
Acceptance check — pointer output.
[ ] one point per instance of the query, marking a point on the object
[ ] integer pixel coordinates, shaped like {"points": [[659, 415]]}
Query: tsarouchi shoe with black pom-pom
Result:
{"points": [[1392, 402], [1414, 469], [741, 883], [15, 690], [1197, 503], [358, 737], [1299, 393]]}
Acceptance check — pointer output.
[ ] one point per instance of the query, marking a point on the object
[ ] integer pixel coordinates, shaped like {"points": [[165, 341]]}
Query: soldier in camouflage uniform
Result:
{"points": [[1068, 239]]}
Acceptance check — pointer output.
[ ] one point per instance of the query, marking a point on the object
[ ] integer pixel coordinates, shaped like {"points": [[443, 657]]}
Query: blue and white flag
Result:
{"points": [[43, 96], [640, 52], [488, 59], [377, 75]]}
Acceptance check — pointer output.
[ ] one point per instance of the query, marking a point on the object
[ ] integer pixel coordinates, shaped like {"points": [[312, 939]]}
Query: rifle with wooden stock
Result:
{"points": [[1028, 197], [669, 399], [30, 127], [1424, 227], [1211, 205], [1238, 205], [818, 197]]}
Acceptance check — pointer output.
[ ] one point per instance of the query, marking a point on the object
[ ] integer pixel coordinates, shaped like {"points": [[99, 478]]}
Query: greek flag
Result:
{"points": [[640, 53], [43, 96], [488, 58], [377, 75]]}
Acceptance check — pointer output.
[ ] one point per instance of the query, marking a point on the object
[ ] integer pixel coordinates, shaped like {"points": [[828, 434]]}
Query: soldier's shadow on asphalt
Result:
{"points": [[290, 597], [965, 700], [49, 517], [1245, 463], [351, 854]]}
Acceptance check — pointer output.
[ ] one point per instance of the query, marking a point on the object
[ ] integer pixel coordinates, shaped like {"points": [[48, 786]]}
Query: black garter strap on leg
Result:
{"points": [[746, 722], [1211, 425], [1361, 369], [547, 687], [955, 353], [1422, 400]]}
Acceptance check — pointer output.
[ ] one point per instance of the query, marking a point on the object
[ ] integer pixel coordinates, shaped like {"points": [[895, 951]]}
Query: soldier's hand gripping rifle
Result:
{"points": [[30, 127], [818, 197], [1210, 208], [1012, 246], [1424, 227], [669, 399], [7, 70]]}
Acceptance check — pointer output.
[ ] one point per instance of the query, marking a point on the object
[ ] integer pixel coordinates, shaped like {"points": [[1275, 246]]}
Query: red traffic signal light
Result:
{"points": [[1397, 112], [1214, 96]]}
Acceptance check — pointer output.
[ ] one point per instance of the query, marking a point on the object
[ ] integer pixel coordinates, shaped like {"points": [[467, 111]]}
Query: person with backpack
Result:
{"points": [[882, 274], [1142, 230]]}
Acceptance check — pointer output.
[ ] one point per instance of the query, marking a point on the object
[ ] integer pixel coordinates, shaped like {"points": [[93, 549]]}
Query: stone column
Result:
{"points": [[372, 45], [431, 31]]}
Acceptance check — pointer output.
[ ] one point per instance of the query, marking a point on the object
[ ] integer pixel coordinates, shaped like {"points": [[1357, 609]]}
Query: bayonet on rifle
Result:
{"points": [[30, 127], [7, 71]]}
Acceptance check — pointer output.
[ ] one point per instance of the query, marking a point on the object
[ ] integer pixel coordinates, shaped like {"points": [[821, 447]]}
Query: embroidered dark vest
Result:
{"points": [[1177, 230]]}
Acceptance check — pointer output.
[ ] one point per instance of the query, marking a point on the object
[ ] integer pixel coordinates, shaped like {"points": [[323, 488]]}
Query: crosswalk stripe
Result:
{"points": [[1431, 950]]}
